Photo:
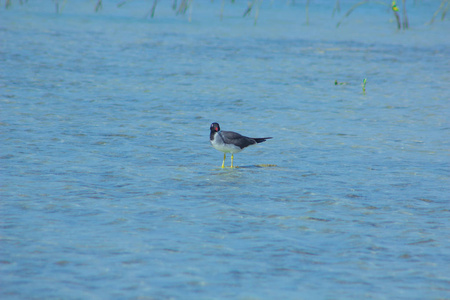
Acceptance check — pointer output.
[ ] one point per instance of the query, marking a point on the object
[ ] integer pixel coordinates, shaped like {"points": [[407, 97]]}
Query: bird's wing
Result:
{"points": [[237, 139]]}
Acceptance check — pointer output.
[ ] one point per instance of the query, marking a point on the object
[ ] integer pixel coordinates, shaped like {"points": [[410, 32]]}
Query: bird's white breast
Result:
{"points": [[219, 144]]}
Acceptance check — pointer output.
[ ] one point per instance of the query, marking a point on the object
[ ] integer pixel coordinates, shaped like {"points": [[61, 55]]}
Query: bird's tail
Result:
{"points": [[260, 140]]}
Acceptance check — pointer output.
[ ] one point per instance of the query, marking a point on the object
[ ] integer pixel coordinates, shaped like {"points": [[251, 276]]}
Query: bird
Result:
{"points": [[230, 142]]}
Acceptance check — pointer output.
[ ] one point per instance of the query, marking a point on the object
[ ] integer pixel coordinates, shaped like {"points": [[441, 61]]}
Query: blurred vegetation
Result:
{"points": [[393, 6], [180, 7], [443, 9]]}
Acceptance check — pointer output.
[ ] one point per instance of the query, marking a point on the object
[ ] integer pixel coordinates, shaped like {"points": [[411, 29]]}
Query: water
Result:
{"points": [[110, 189]]}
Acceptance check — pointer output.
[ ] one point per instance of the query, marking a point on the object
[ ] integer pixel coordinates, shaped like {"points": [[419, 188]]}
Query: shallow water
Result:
{"points": [[110, 189]]}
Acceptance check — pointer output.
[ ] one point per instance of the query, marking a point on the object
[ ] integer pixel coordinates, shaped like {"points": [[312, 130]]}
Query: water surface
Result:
{"points": [[110, 189]]}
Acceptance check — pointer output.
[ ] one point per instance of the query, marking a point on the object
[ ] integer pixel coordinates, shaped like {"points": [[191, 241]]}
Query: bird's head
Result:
{"points": [[215, 127]]}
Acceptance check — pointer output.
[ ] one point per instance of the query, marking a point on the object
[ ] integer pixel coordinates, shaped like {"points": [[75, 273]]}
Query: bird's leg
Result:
{"points": [[232, 156], [223, 163]]}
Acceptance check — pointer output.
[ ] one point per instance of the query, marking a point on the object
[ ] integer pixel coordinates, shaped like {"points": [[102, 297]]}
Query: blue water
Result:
{"points": [[110, 189]]}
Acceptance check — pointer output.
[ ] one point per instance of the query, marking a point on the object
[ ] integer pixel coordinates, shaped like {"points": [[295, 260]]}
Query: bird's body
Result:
{"points": [[230, 142]]}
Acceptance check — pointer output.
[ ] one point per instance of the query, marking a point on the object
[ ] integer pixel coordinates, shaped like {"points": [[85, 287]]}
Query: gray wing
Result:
{"points": [[230, 137]]}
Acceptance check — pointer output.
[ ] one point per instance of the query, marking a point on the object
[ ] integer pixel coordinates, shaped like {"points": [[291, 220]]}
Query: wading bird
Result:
{"points": [[230, 142]]}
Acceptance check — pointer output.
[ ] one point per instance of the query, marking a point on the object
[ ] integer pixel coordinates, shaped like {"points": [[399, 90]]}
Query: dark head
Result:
{"points": [[214, 127]]}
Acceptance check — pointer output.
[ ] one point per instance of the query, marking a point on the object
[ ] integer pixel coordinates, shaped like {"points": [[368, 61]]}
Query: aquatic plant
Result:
{"points": [[337, 8], [395, 11], [405, 16], [393, 6], [182, 8], [443, 7], [152, 10], [8, 3], [307, 12], [340, 83], [57, 7], [99, 5], [250, 7]]}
